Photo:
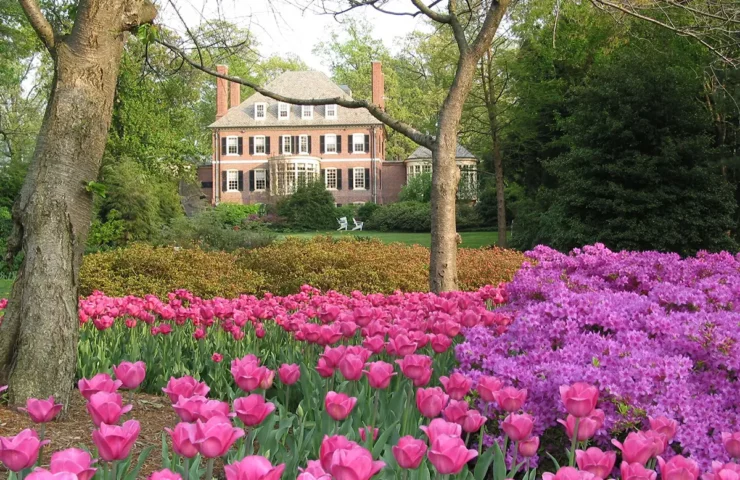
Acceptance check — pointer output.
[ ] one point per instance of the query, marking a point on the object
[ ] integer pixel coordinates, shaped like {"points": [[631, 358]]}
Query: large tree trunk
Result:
{"points": [[38, 337]]}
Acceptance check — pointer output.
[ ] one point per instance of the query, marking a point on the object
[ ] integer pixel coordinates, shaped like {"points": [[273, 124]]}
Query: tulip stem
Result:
{"points": [[467, 439], [287, 400], [113, 467], [186, 469], [375, 412], [480, 440], [573, 442], [209, 469], [513, 460]]}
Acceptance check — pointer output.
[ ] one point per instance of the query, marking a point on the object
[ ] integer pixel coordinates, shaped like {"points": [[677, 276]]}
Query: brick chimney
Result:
{"points": [[222, 87], [235, 95], [378, 85]]}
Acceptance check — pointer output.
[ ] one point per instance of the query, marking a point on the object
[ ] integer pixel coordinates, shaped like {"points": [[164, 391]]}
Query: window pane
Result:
{"points": [[331, 111], [359, 178], [259, 144], [260, 179], [286, 144], [232, 180], [303, 144], [331, 178], [358, 142], [307, 111], [232, 146], [283, 109], [330, 143], [260, 110]]}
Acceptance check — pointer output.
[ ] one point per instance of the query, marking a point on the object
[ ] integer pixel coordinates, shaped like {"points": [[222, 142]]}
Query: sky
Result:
{"points": [[283, 28]]}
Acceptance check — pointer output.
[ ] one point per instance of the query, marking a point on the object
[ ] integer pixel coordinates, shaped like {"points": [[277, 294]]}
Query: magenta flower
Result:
{"points": [[431, 401], [449, 454], [42, 411], [130, 374], [455, 411], [339, 405], [579, 399], [456, 385], [186, 387], [678, 468], [596, 461], [73, 460], [106, 407], [487, 386], [165, 474], [510, 398], [354, 463], [636, 471], [102, 382], [253, 467], [637, 448], [289, 374], [528, 448], [215, 437], [439, 427], [351, 367], [379, 374], [329, 445], [115, 442], [731, 442], [568, 473], [409, 452], [518, 427], [253, 409], [183, 437], [21, 451]]}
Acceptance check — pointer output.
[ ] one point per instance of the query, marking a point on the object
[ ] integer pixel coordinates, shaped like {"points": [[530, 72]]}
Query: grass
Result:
{"points": [[470, 239], [5, 285]]}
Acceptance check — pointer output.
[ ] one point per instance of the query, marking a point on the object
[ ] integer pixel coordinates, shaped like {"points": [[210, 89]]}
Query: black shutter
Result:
{"points": [[251, 145], [251, 180], [339, 178], [267, 179], [367, 143], [380, 179], [350, 144], [323, 176], [280, 146], [296, 144], [240, 146], [223, 145], [240, 183], [350, 178], [323, 145], [309, 144], [367, 179], [268, 150], [224, 187], [339, 144]]}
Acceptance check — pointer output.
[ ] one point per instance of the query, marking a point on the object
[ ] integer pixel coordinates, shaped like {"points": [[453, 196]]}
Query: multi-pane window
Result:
{"points": [[232, 145], [330, 111], [418, 169], [303, 144], [468, 186], [330, 178], [307, 111], [426, 168], [358, 143], [287, 144], [260, 111], [290, 175], [232, 180], [259, 145], [260, 179], [283, 111], [330, 143], [359, 178]]}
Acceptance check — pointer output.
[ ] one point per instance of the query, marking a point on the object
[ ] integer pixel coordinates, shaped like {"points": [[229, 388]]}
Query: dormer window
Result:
{"points": [[283, 111], [307, 112], [330, 112], [260, 111]]}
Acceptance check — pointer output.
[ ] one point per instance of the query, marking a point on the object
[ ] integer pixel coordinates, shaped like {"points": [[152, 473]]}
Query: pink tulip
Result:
{"points": [[325, 371], [487, 386], [3, 388], [510, 399], [115, 442], [423, 380], [217, 357], [73, 460], [313, 471], [289, 374], [409, 452], [183, 436], [253, 467], [331, 444], [636, 471], [596, 461], [415, 366], [214, 408], [253, 410], [106, 407], [440, 343], [363, 433], [332, 356], [660, 441], [518, 427], [439, 427], [637, 448], [20, 452], [449, 454], [401, 346], [339, 405], [43, 474], [731, 442], [186, 387], [267, 379], [720, 471], [579, 399], [375, 344], [473, 421], [665, 426], [188, 408], [678, 468], [249, 375], [528, 448], [431, 401], [587, 427], [455, 411], [354, 464], [456, 385], [214, 437], [42, 411], [379, 374], [99, 383], [351, 367], [130, 374], [568, 473], [165, 474]]}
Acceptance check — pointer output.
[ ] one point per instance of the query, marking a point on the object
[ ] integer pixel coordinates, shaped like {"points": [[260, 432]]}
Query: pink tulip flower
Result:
{"points": [[73, 460], [289, 374], [354, 464], [568, 473], [42, 411], [431, 401], [313, 471], [331, 444], [678, 468], [217, 357], [510, 399], [130, 374], [579, 399], [3, 388], [375, 344], [339, 405], [587, 427], [439, 427], [214, 408], [188, 408], [637, 448], [115, 442], [518, 427], [455, 411], [660, 441], [186, 387], [665, 426], [401, 346], [720, 471], [528, 448], [449, 454], [379, 374], [43, 474], [363, 433], [333, 356], [21, 451], [106, 407], [165, 474], [351, 367], [473, 421], [102, 382], [253, 409], [424, 379], [636, 471], [249, 376], [409, 452], [183, 436], [731, 442], [267, 379], [415, 366], [487, 386], [456, 385], [253, 467], [325, 371], [596, 461], [214, 437], [440, 343]]}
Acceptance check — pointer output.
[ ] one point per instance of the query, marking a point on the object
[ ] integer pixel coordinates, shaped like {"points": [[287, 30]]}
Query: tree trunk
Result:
{"points": [[498, 168], [38, 337]]}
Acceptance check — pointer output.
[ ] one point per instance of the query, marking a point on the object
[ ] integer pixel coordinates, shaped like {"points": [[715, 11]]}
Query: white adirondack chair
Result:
{"points": [[358, 225], [342, 223]]}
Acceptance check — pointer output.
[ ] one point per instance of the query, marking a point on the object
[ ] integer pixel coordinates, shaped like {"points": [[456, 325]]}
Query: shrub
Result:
{"points": [[366, 211], [234, 214], [349, 211], [417, 189], [401, 217], [311, 207], [486, 266], [207, 231], [466, 217]]}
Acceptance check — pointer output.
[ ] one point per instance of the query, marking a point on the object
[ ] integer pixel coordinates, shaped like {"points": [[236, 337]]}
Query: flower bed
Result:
{"points": [[657, 334]]}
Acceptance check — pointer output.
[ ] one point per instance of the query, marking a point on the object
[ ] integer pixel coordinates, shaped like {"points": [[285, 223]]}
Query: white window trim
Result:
{"points": [[264, 111], [326, 151], [354, 179], [300, 141], [236, 144], [326, 178], [264, 172], [280, 106], [326, 111], [282, 144], [264, 145], [228, 181], [363, 143], [310, 111]]}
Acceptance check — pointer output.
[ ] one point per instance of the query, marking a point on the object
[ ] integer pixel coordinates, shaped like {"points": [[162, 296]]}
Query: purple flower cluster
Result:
{"points": [[656, 333]]}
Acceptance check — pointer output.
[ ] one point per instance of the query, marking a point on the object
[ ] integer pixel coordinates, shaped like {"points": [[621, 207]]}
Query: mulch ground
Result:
{"points": [[75, 430]]}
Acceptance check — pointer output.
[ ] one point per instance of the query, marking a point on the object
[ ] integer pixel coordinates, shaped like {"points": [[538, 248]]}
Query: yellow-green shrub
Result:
{"points": [[483, 266]]}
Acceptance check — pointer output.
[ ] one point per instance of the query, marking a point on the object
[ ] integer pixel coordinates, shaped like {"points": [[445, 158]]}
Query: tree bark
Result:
{"points": [[38, 337]]}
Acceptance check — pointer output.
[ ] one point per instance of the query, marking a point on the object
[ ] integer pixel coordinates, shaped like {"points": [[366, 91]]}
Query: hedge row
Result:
{"points": [[344, 264]]}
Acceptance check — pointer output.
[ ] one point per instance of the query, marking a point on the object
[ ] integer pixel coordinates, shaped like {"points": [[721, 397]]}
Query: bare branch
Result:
{"points": [[433, 14], [490, 25], [40, 24]]}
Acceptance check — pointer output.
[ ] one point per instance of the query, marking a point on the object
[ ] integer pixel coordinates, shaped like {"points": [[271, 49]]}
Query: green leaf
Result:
{"points": [[499, 463], [484, 462], [557, 465], [140, 463]]}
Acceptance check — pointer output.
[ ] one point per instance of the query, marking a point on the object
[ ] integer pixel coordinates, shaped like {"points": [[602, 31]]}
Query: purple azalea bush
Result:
{"points": [[656, 333]]}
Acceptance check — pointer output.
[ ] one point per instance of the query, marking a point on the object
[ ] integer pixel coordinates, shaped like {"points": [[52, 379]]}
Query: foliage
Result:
{"points": [[212, 230], [106, 234], [310, 207], [417, 189], [366, 211], [401, 217], [487, 207], [234, 214], [350, 211]]}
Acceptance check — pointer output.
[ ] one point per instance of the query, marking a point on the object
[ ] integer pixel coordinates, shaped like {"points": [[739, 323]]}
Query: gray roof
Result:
{"points": [[423, 153], [303, 85]]}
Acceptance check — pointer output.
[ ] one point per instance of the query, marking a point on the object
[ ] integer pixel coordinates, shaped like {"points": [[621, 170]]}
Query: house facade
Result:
{"points": [[264, 149]]}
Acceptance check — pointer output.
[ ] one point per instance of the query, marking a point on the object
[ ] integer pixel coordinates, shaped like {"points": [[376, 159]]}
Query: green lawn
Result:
{"points": [[5, 288], [470, 239]]}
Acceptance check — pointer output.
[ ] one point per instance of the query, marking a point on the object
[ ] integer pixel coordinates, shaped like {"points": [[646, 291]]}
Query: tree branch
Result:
{"points": [[40, 24], [490, 25], [434, 15]]}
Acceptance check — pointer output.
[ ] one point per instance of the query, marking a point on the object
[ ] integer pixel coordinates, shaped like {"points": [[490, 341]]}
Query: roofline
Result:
{"points": [[262, 127]]}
